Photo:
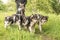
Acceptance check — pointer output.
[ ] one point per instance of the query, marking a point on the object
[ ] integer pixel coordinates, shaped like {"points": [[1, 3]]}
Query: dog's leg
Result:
{"points": [[6, 24], [18, 23], [31, 28], [40, 26]]}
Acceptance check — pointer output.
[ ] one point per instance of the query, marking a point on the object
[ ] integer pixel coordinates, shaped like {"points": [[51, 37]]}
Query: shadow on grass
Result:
{"points": [[37, 31]]}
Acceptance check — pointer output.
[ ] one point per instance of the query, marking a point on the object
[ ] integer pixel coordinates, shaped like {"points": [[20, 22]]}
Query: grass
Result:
{"points": [[51, 30]]}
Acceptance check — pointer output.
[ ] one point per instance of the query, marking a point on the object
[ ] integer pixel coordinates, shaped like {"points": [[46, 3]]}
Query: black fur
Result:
{"points": [[30, 21], [20, 1]]}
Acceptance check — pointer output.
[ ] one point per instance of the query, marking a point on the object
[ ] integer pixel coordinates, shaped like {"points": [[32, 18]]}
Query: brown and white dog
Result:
{"points": [[30, 21]]}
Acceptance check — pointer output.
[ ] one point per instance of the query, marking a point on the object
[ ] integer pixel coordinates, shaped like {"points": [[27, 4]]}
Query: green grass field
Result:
{"points": [[51, 29]]}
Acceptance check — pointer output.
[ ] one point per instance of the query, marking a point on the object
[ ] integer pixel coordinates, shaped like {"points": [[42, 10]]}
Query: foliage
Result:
{"points": [[47, 6], [2, 7], [51, 29], [44, 5], [7, 7], [55, 5]]}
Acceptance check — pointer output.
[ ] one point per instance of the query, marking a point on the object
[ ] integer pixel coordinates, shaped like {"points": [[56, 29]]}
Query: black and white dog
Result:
{"points": [[20, 1], [27, 22], [30, 21], [15, 18], [21, 9]]}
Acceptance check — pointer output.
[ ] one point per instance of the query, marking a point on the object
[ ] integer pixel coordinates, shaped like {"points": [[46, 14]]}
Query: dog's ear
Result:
{"points": [[31, 16], [21, 4], [45, 17]]}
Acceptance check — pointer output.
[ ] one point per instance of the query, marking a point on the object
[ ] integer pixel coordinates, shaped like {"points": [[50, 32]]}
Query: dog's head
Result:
{"points": [[21, 7], [8, 18], [44, 19], [35, 17]]}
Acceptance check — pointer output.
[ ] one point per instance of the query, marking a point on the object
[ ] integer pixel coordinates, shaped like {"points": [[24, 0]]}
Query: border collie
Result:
{"points": [[30, 21]]}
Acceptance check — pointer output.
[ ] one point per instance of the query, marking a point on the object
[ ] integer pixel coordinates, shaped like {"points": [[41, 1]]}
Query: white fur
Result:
{"points": [[40, 27], [14, 18], [25, 23], [6, 24], [7, 17], [19, 9], [18, 23]]}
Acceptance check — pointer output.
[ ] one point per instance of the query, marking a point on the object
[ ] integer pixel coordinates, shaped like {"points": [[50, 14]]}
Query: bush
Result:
{"points": [[7, 7], [3, 7], [55, 5]]}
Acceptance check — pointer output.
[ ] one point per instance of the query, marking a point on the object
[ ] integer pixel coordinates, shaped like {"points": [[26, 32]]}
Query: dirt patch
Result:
{"points": [[45, 37]]}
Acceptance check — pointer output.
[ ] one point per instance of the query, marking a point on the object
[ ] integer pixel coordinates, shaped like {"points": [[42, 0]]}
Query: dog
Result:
{"points": [[20, 1], [27, 21], [15, 18], [21, 9], [30, 21]]}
